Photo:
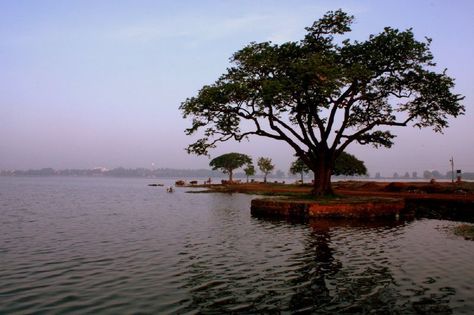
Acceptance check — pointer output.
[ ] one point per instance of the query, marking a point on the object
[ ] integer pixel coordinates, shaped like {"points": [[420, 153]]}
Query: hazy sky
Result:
{"points": [[99, 83]]}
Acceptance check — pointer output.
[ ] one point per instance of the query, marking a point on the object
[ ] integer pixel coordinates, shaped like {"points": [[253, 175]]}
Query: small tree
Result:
{"points": [[227, 163], [347, 164], [249, 171], [265, 165], [299, 167]]}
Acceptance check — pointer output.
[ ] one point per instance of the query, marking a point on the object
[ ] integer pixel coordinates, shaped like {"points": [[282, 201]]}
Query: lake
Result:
{"points": [[116, 246]]}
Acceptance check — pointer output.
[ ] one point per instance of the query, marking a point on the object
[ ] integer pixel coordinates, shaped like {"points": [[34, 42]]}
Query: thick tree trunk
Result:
{"points": [[230, 176], [302, 174], [322, 180]]}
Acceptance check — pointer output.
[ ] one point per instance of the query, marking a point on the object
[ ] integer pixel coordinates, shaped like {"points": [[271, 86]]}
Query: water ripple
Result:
{"points": [[108, 246]]}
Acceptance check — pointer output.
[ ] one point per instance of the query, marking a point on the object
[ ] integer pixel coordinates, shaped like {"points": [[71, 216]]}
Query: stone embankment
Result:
{"points": [[359, 199], [339, 208]]}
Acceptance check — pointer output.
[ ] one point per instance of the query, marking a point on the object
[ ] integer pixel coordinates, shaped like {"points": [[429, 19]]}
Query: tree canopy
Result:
{"points": [[324, 92], [229, 162]]}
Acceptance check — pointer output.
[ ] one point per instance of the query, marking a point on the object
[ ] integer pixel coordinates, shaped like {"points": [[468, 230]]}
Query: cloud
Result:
{"points": [[277, 24], [195, 28]]}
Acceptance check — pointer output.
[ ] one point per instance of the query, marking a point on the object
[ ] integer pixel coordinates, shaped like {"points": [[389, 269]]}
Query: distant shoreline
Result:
{"points": [[219, 177]]}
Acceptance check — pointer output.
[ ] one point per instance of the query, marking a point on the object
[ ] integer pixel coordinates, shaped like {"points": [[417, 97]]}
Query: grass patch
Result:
{"points": [[465, 230], [199, 191], [310, 197], [291, 195]]}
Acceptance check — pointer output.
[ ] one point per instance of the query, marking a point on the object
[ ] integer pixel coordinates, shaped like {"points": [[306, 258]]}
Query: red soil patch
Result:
{"points": [[407, 190]]}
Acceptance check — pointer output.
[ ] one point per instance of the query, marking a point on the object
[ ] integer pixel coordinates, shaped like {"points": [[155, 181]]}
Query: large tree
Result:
{"points": [[323, 93], [228, 162]]}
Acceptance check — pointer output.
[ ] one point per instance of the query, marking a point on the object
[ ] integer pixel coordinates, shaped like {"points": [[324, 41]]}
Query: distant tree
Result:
{"points": [[227, 163], [414, 175], [467, 175], [427, 175], [436, 174], [451, 175], [299, 167], [395, 175], [266, 167], [377, 175], [407, 175], [279, 174], [249, 171], [324, 92]]}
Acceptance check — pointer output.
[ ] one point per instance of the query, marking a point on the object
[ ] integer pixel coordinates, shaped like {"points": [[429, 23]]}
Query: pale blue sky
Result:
{"points": [[99, 83]]}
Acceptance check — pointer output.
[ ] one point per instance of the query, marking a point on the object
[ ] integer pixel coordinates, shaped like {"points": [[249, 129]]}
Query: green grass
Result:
{"points": [[465, 230]]}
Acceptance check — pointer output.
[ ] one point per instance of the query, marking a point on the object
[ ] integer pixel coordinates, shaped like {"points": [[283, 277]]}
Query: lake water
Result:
{"points": [[117, 246]]}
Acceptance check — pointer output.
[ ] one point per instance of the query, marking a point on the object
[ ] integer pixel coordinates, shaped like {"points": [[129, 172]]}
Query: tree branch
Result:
{"points": [[309, 123], [338, 103], [340, 132], [355, 136], [284, 137]]}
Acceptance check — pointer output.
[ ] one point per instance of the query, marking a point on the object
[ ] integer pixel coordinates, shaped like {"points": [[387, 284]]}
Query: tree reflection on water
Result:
{"points": [[327, 286], [339, 267]]}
